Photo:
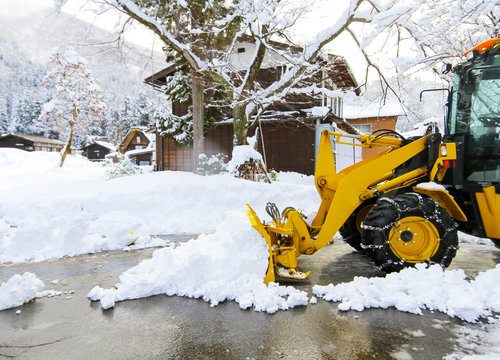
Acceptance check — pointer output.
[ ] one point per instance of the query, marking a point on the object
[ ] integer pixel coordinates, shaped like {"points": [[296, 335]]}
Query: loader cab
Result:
{"points": [[473, 124], [473, 121]]}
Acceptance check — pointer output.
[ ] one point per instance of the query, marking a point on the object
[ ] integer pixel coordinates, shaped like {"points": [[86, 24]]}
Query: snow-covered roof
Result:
{"points": [[146, 131], [106, 145], [139, 151], [35, 138], [351, 111]]}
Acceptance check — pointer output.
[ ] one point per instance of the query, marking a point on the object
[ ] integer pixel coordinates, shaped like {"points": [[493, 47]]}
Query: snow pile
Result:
{"points": [[430, 186], [242, 154], [414, 289], [19, 163], [227, 265], [52, 212], [420, 129], [19, 289]]}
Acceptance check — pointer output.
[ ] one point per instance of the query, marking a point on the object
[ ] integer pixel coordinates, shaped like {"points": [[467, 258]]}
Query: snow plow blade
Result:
{"points": [[257, 225], [282, 254]]}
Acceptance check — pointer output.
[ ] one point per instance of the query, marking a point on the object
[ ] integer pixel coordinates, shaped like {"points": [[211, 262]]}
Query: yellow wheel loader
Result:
{"points": [[385, 206]]}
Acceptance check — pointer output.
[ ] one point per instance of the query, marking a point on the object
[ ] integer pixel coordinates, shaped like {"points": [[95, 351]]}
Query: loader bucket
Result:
{"points": [[282, 255], [257, 225]]}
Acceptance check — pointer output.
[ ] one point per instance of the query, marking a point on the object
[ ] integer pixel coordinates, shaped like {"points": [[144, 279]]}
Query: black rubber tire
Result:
{"points": [[350, 231], [496, 242], [387, 211]]}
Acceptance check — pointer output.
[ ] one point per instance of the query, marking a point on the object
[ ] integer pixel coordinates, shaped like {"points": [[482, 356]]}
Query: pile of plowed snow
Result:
{"points": [[227, 265], [415, 289], [19, 289]]}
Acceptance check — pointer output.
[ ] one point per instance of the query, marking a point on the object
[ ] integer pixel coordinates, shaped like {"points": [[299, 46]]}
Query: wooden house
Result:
{"points": [[97, 150], [287, 144], [139, 146], [30, 142], [289, 130]]}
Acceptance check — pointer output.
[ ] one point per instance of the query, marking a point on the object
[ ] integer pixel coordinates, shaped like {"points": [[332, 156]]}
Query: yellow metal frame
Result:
{"points": [[445, 200], [423, 242], [341, 193], [488, 202]]}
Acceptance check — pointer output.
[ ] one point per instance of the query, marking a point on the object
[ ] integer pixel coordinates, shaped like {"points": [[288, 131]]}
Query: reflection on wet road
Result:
{"points": [[161, 327]]}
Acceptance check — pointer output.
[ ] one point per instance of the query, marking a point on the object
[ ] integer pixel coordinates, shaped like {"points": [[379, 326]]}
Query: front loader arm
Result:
{"points": [[348, 189], [341, 193]]}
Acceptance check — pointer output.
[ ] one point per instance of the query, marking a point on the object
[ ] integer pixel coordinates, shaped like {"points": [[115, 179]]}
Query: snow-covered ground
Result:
{"points": [[48, 212]]}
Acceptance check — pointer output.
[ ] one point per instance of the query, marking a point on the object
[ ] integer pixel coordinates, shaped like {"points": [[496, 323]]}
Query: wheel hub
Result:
{"points": [[406, 236], [414, 239]]}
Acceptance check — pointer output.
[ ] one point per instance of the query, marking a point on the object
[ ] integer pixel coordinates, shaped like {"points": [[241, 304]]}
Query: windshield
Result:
{"points": [[475, 111]]}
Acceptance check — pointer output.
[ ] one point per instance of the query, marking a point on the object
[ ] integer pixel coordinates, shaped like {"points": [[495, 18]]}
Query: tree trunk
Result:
{"points": [[67, 147], [198, 106], [240, 123]]}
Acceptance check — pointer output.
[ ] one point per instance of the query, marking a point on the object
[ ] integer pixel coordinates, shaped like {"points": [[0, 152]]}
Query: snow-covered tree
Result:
{"points": [[76, 101], [404, 33]]}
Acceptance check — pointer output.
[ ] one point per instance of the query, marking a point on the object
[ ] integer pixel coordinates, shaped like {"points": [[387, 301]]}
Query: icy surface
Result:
{"points": [[415, 289], [227, 265], [49, 212], [19, 289]]}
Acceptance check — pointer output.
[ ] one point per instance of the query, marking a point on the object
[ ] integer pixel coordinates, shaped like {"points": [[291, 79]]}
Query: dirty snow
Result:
{"points": [[19, 289], [478, 342], [415, 289], [227, 265]]}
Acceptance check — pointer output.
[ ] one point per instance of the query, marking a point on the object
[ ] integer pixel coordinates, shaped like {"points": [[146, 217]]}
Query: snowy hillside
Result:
{"points": [[26, 43]]}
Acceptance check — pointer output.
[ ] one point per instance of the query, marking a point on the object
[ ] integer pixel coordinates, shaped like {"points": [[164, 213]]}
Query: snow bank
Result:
{"points": [[414, 289], [227, 265], [49, 212], [19, 289]]}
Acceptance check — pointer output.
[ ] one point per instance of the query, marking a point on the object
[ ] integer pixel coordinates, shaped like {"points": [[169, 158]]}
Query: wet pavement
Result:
{"points": [[160, 327]]}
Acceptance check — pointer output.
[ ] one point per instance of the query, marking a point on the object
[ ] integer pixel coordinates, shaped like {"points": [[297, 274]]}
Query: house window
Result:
{"points": [[96, 152], [364, 128], [144, 163], [138, 147], [241, 50], [138, 139]]}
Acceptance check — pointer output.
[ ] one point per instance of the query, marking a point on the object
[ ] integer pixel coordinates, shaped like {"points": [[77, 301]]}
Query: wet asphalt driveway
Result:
{"points": [[71, 327]]}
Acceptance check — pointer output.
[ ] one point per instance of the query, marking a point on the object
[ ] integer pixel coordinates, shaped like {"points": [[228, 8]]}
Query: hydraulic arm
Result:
{"points": [[289, 235]]}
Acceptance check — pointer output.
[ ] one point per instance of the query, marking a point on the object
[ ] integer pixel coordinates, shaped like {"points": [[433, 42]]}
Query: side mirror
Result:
{"points": [[446, 68]]}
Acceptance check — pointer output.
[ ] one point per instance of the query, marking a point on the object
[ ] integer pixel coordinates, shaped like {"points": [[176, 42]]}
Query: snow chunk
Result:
{"points": [[19, 289], [414, 289], [430, 186], [207, 268]]}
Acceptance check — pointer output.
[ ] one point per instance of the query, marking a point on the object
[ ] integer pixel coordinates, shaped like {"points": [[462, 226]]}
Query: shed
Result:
{"points": [[30, 142], [97, 150], [139, 145]]}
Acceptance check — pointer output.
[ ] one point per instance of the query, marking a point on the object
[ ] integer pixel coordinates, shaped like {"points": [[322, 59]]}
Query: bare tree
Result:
{"points": [[76, 101]]}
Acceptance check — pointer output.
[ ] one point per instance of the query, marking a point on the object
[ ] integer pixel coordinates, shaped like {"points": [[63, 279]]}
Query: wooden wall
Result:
{"points": [[11, 141], [289, 145], [95, 152], [384, 122]]}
